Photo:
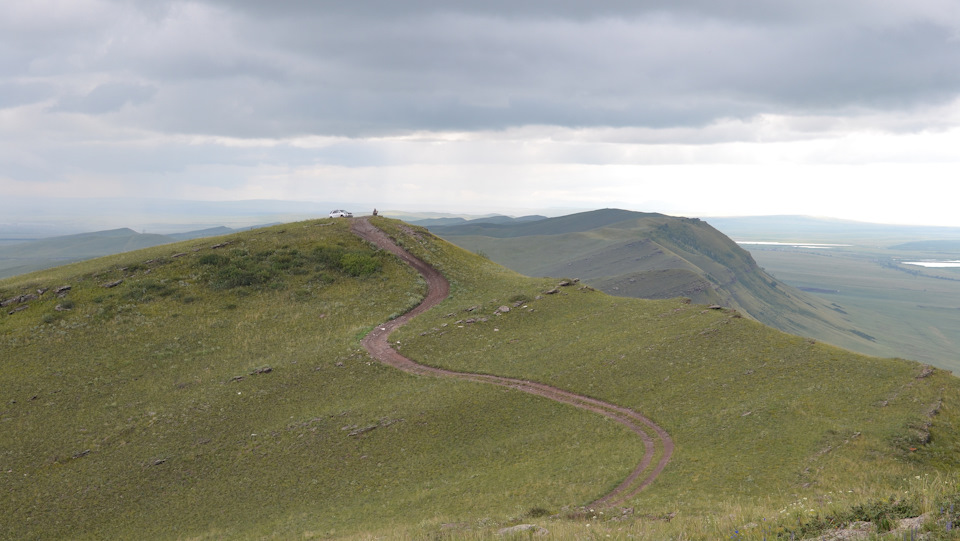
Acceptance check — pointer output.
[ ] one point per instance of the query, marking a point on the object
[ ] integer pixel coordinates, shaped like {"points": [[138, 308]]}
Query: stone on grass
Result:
{"points": [[520, 528]]}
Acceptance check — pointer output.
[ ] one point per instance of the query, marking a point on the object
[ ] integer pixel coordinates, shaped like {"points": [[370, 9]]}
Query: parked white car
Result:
{"points": [[340, 214]]}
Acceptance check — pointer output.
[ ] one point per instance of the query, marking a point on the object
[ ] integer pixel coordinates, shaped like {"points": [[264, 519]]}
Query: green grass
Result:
{"points": [[127, 417], [146, 410], [758, 416]]}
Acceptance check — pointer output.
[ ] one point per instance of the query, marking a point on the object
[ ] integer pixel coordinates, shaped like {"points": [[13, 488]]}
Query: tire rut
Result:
{"points": [[377, 344]]}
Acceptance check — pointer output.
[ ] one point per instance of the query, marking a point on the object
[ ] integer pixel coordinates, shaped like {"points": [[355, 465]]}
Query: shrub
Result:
{"points": [[214, 260], [356, 264], [328, 256]]}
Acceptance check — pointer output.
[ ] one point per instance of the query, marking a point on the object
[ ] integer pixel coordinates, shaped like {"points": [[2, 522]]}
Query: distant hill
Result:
{"points": [[936, 246], [33, 255], [209, 232], [654, 256], [499, 219], [811, 229]]}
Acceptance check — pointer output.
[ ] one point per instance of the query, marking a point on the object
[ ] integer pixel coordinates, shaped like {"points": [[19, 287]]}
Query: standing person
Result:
{"points": [[374, 212]]}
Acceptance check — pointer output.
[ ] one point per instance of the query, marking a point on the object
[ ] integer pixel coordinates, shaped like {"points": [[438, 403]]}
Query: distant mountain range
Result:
{"points": [[23, 257], [653, 256]]}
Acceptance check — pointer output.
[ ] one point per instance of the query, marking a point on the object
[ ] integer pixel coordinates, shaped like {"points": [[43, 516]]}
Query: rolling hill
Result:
{"points": [[653, 256], [39, 254], [217, 388]]}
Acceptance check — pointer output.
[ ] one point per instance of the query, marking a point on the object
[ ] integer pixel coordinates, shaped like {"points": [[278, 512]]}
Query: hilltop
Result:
{"points": [[217, 388], [654, 256]]}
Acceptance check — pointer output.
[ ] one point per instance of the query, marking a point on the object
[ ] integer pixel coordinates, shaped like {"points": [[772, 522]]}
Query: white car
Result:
{"points": [[340, 214]]}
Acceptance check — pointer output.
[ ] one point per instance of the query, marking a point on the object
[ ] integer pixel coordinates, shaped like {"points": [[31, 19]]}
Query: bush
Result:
{"points": [[328, 256], [214, 260], [356, 264]]}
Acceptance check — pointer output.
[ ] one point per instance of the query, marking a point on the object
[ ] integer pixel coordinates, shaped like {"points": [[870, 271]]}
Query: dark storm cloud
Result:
{"points": [[274, 69]]}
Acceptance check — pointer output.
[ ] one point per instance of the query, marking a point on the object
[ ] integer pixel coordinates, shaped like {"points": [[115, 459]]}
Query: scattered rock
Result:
{"points": [[60, 308], [221, 245], [81, 454], [927, 371], [855, 530], [19, 309], [520, 528], [503, 309], [264, 370], [42, 290], [363, 430], [19, 299], [551, 291], [115, 283], [159, 461], [236, 378], [915, 523], [181, 254], [715, 307]]}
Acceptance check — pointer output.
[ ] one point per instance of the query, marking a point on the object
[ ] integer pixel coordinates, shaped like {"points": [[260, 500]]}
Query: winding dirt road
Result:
{"points": [[377, 344]]}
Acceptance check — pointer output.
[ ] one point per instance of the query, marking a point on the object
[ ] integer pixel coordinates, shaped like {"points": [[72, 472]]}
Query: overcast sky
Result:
{"points": [[842, 108]]}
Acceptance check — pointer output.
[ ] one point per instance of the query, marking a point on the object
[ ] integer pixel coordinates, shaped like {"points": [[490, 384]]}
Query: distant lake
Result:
{"points": [[932, 264], [814, 245]]}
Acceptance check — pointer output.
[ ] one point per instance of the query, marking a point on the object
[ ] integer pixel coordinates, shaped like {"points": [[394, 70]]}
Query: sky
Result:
{"points": [[834, 108]]}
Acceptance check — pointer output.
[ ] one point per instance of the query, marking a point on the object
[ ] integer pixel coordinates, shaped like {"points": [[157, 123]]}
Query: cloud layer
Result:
{"points": [[231, 98]]}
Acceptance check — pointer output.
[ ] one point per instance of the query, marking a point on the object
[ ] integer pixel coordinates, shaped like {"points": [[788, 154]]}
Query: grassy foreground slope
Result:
{"points": [[221, 393], [769, 427], [147, 409]]}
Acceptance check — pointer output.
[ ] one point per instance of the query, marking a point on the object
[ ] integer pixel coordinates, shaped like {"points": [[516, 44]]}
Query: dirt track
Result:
{"points": [[377, 344]]}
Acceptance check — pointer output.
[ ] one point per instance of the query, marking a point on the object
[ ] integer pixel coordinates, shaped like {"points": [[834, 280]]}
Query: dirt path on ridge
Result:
{"points": [[377, 344]]}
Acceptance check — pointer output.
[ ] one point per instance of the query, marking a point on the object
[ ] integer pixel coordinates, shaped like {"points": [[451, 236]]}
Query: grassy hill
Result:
{"points": [[219, 391], [653, 256]]}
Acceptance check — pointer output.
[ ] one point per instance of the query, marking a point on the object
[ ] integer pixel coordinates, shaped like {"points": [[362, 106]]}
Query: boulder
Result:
{"points": [[521, 528]]}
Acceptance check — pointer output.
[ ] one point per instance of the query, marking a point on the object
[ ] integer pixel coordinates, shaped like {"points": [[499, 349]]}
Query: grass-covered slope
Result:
{"points": [[761, 419], [653, 256], [221, 393]]}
